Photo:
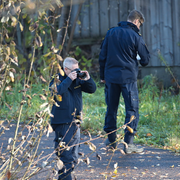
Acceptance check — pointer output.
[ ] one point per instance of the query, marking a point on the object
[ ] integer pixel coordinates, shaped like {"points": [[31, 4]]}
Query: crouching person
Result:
{"points": [[67, 91]]}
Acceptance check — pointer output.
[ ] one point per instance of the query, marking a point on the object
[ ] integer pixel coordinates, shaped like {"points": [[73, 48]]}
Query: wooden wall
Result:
{"points": [[161, 30]]}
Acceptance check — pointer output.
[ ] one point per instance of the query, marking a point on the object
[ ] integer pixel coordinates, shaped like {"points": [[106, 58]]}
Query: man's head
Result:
{"points": [[69, 65], [136, 17]]}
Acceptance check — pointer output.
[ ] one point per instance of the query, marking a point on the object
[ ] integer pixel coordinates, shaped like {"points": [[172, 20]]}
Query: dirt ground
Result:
{"points": [[153, 163]]}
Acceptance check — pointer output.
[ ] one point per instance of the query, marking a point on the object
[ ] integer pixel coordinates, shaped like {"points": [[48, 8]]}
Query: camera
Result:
{"points": [[80, 74]]}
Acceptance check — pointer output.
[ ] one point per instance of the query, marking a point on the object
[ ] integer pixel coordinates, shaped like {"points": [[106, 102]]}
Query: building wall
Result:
{"points": [[160, 30]]}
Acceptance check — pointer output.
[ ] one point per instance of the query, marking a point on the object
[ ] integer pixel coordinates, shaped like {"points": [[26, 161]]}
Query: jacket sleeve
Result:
{"points": [[62, 86], [88, 86], [143, 52], [103, 56]]}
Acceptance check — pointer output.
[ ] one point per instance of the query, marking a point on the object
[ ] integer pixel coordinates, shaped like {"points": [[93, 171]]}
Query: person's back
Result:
{"points": [[123, 42]]}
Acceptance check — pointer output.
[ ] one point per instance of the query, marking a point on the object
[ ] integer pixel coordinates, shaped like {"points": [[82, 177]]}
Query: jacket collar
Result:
{"points": [[129, 24]]}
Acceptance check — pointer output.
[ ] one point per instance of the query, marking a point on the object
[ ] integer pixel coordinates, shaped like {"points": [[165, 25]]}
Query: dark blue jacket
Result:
{"points": [[71, 105], [117, 59]]}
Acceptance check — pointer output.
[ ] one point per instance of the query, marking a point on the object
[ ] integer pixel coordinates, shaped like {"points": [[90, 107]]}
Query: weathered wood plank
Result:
{"points": [[145, 29], [131, 5], [166, 30], [155, 32], [104, 16], [85, 24], [73, 15], [113, 13], [94, 18], [123, 9], [137, 5], [160, 31], [176, 31]]}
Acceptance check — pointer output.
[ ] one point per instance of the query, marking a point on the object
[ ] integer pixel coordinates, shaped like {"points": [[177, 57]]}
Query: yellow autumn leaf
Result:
{"points": [[46, 55], [11, 75], [14, 21], [31, 28], [92, 146], [5, 19], [42, 97], [28, 96], [55, 50], [21, 26], [59, 3], [60, 70], [8, 50], [114, 176], [38, 41], [87, 161], [59, 57], [115, 171], [148, 134], [59, 98], [13, 24], [130, 129], [132, 118]]}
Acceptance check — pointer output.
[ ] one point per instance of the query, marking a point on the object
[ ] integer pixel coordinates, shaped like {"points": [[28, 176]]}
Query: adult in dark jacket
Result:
{"points": [[119, 70], [67, 91]]}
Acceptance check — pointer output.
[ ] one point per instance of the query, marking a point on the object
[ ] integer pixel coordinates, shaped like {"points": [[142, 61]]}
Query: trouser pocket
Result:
{"points": [[134, 100]]}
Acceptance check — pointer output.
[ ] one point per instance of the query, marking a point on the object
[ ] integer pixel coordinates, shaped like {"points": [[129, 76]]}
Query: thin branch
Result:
{"points": [[66, 28], [74, 26]]}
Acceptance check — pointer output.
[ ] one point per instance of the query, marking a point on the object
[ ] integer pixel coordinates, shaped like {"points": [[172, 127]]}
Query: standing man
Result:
{"points": [[119, 70], [67, 91]]}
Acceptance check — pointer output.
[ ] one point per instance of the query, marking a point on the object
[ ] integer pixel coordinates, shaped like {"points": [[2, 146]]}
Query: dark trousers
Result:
{"points": [[70, 134], [131, 100]]}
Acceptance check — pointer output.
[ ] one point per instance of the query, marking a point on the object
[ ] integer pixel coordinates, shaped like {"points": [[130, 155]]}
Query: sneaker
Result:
{"points": [[111, 145], [132, 149]]}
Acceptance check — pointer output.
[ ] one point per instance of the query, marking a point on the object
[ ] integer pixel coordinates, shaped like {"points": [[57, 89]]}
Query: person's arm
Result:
{"points": [[102, 57], [143, 52], [62, 87], [88, 85]]}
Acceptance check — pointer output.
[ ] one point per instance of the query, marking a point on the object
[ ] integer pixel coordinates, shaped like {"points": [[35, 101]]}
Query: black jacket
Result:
{"points": [[70, 106], [117, 59]]}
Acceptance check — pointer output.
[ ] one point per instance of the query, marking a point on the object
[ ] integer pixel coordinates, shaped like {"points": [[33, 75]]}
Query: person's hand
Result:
{"points": [[73, 75], [87, 76], [103, 81]]}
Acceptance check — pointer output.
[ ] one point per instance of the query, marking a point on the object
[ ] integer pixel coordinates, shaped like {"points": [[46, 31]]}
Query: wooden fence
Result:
{"points": [[160, 31]]}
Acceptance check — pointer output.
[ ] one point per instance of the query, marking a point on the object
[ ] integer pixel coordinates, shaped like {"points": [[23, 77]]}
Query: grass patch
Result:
{"points": [[159, 111], [12, 99], [159, 121]]}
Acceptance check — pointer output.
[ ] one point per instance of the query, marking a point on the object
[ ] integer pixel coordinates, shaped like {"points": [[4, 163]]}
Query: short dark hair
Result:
{"points": [[134, 14]]}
